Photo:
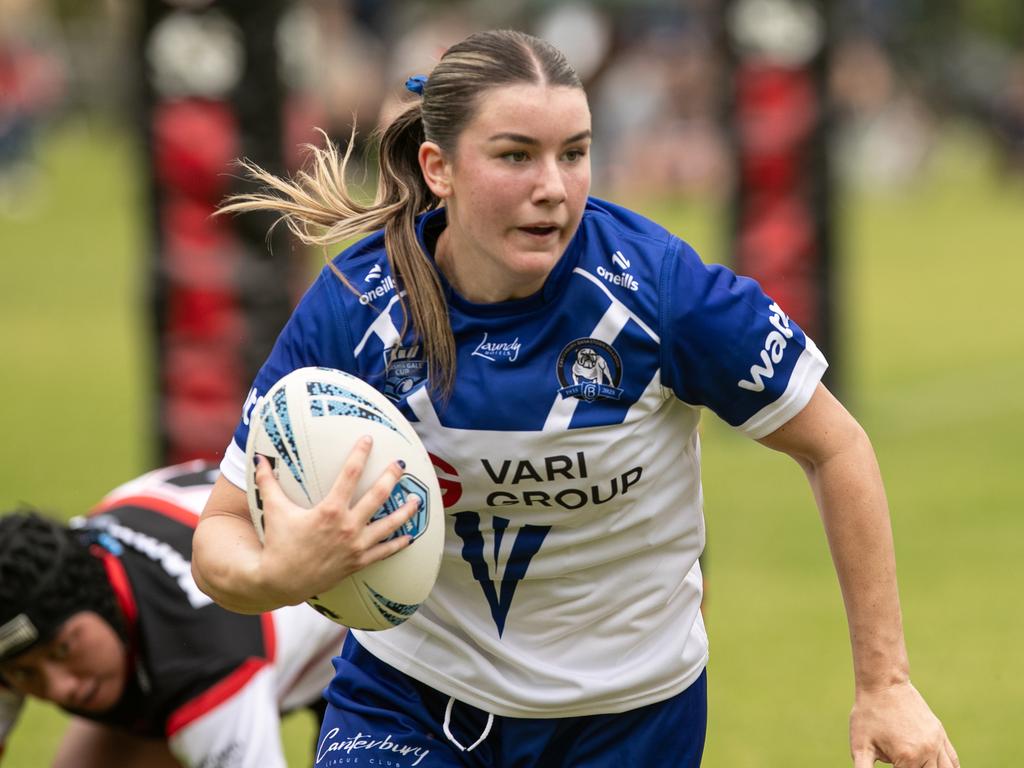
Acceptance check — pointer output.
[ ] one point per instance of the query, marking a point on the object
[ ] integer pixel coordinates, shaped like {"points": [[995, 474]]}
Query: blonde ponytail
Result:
{"points": [[318, 208]]}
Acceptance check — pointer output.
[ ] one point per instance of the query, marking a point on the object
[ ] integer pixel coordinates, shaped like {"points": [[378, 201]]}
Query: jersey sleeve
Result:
{"points": [[10, 708], [317, 333], [241, 731], [729, 347]]}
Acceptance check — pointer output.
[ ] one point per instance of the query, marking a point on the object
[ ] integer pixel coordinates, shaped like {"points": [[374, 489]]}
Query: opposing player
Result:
{"points": [[559, 351], [103, 619]]}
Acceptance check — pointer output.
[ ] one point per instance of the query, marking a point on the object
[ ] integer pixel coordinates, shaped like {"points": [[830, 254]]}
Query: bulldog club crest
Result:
{"points": [[589, 369]]}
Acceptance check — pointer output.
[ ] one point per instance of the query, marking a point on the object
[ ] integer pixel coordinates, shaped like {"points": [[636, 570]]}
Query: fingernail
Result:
{"points": [[401, 463], [365, 439]]}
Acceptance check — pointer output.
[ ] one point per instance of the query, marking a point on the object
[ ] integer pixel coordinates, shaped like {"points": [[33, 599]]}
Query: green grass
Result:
{"points": [[934, 361], [74, 403], [934, 358]]}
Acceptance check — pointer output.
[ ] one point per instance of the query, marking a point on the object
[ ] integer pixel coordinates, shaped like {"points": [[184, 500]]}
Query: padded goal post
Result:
{"points": [[779, 116], [219, 288]]}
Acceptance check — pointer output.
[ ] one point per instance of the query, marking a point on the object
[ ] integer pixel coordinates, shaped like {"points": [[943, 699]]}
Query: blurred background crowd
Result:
{"points": [[899, 71]]}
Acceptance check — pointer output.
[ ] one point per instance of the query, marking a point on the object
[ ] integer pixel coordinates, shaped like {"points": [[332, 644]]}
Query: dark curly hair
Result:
{"points": [[47, 574]]}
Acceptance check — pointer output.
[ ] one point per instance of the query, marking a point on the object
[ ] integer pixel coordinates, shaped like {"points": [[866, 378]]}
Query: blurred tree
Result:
{"points": [[1001, 20]]}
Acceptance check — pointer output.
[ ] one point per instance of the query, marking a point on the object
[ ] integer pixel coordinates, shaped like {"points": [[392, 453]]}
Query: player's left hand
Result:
{"points": [[895, 725]]}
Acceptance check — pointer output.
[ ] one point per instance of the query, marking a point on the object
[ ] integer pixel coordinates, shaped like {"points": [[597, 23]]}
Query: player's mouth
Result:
{"points": [[85, 699], [540, 231], [101, 695]]}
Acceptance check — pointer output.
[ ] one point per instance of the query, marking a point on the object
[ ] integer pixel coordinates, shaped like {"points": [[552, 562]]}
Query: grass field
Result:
{"points": [[934, 361]]}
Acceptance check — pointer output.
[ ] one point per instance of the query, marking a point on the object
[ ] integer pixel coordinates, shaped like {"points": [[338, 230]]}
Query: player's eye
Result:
{"points": [[517, 156], [575, 155], [61, 649]]}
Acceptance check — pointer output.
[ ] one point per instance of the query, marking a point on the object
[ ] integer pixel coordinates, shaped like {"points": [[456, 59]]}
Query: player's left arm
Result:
{"points": [[890, 720]]}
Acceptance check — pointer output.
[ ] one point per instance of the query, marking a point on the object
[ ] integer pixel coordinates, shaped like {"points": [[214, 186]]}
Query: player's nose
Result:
{"points": [[549, 186]]}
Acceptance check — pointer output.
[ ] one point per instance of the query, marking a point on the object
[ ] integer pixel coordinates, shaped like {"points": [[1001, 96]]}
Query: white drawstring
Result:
{"points": [[452, 739]]}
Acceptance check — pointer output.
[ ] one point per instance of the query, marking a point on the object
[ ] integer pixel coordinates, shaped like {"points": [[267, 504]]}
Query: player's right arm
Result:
{"points": [[305, 551], [227, 555]]}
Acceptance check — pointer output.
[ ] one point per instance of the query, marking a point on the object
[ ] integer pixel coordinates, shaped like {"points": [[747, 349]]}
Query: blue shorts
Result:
{"points": [[377, 716]]}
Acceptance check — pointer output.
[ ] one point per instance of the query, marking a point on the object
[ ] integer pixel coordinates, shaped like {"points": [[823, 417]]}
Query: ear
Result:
{"points": [[436, 169]]}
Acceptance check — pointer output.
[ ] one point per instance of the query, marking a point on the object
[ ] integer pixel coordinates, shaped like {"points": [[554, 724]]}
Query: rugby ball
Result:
{"points": [[306, 425]]}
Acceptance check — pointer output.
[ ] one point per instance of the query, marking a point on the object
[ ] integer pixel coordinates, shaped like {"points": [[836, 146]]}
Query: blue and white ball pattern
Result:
{"points": [[306, 425]]}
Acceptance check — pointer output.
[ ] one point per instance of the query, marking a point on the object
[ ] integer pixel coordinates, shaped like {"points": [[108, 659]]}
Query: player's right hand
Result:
{"points": [[308, 551]]}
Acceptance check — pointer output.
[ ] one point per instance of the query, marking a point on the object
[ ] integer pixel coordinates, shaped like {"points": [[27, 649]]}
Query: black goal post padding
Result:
{"points": [[219, 290], [779, 116]]}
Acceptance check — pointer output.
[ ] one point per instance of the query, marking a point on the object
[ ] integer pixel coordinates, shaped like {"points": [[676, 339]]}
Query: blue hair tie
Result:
{"points": [[416, 83]]}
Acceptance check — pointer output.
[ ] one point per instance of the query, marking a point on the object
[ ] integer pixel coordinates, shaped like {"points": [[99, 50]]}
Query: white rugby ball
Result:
{"points": [[306, 425]]}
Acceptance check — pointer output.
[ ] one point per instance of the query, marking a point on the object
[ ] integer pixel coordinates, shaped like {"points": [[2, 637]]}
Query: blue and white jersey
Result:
{"points": [[568, 454]]}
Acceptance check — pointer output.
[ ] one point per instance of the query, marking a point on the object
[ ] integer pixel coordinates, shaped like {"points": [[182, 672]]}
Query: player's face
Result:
{"points": [[82, 669], [519, 181]]}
